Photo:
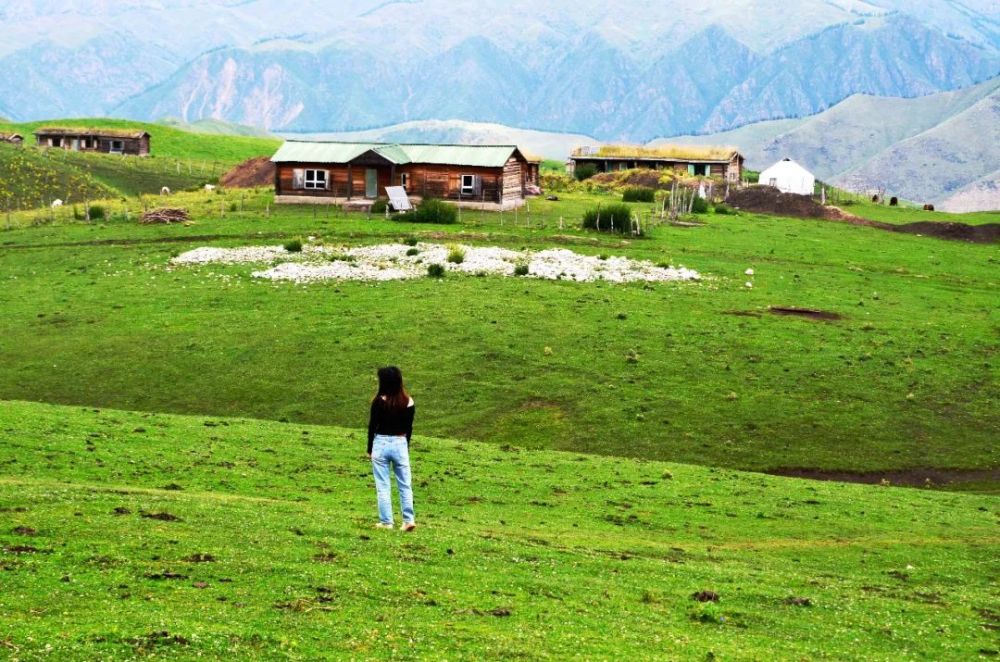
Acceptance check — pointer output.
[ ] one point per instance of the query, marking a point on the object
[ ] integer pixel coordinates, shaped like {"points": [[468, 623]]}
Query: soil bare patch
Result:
{"points": [[162, 517], [808, 313], [769, 200], [252, 173], [904, 478]]}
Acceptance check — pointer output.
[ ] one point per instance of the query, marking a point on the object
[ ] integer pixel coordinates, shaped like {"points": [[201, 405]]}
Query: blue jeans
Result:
{"points": [[392, 451]]}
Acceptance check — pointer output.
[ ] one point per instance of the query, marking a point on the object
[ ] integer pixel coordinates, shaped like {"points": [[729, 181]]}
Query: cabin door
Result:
{"points": [[371, 183]]}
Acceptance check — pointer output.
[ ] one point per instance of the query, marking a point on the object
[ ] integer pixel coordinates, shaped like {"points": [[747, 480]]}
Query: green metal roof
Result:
{"points": [[483, 156]]}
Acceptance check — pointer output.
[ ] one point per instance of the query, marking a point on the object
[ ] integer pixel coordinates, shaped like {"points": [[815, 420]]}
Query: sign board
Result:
{"points": [[398, 198]]}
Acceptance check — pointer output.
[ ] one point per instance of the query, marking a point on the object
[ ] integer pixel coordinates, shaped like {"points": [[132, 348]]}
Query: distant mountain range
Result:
{"points": [[941, 148], [632, 70]]}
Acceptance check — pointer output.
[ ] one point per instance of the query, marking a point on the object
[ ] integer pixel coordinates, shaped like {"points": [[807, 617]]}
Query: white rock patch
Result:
{"points": [[384, 262]]}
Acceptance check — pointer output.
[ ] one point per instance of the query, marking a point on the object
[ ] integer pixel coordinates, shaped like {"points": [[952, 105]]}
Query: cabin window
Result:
{"points": [[316, 179], [699, 169], [117, 146], [470, 184], [404, 180], [55, 142]]}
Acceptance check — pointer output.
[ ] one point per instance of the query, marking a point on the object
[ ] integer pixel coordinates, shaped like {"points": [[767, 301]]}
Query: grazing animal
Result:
{"points": [[165, 190], [209, 187], [57, 203], [894, 201], [928, 207]]}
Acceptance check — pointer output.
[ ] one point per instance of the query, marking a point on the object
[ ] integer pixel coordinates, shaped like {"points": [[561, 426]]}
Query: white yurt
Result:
{"points": [[789, 177]]}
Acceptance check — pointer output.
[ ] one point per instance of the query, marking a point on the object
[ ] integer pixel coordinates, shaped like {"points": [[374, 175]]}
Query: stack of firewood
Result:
{"points": [[165, 215]]}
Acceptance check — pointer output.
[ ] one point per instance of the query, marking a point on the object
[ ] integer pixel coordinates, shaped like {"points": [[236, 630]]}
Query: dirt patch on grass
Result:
{"points": [[902, 478], [987, 233], [769, 200], [25, 549], [252, 173], [807, 313], [162, 517]]}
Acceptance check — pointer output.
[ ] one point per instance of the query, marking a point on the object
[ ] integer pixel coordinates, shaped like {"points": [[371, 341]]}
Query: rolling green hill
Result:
{"points": [[904, 381], [129, 535], [180, 160]]}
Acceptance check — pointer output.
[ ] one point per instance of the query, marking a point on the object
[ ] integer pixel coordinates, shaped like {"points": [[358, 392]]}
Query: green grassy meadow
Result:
{"points": [[906, 380], [129, 535], [181, 448]]}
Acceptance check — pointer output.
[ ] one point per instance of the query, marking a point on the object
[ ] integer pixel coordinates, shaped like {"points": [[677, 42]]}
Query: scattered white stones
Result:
{"points": [[385, 262]]}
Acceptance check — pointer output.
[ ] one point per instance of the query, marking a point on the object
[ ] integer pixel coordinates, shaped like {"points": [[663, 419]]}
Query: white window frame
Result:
{"points": [[312, 181], [404, 180], [470, 188], [116, 147]]}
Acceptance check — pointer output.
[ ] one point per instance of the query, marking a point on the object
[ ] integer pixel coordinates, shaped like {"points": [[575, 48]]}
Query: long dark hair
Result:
{"points": [[390, 389]]}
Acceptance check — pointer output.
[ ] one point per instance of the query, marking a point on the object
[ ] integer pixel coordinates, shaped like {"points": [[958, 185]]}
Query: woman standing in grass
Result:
{"points": [[390, 427]]}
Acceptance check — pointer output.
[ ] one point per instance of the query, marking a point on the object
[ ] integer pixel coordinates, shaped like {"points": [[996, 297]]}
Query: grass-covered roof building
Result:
{"points": [[725, 162]]}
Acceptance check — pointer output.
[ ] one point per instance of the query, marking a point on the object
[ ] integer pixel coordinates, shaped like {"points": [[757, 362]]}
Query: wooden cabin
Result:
{"points": [[11, 138], [532, 175], [489, 176], [724, 162], [103, 141]]}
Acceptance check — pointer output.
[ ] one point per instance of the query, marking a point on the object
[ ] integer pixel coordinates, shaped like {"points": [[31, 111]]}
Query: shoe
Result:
{"points": [[382, 525], [408, 526]]}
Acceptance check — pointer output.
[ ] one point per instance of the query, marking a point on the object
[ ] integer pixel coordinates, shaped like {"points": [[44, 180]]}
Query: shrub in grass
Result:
{"points": [[724, 209], [380, 206], [412, 252], [411, 241], [456, 255], [435, 270], [699, 206], [96, 212], [616, 217], [434, 211], [585, 171], [232, 207], [294, 246], [638, 194], [521, 270]]}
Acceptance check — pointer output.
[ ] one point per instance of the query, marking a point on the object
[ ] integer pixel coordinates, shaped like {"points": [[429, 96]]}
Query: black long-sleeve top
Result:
{"points": [[393, 424]]}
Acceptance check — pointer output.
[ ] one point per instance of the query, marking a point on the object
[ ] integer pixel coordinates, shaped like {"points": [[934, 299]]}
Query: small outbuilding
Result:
{"points": [[789, 177], [104, 141], [11, 138]]}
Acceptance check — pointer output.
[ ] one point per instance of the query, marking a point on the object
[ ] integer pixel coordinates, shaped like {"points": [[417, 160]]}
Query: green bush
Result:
{"points": [[411, 241], [521, 270], [96, 212], [616, 217], [233, 207], [294, 246], [724, 209], [456, 255], [380, 206], [412, 252], [699, 206], [434, 211], [435, 270], [585, 171], [638, 194]]}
